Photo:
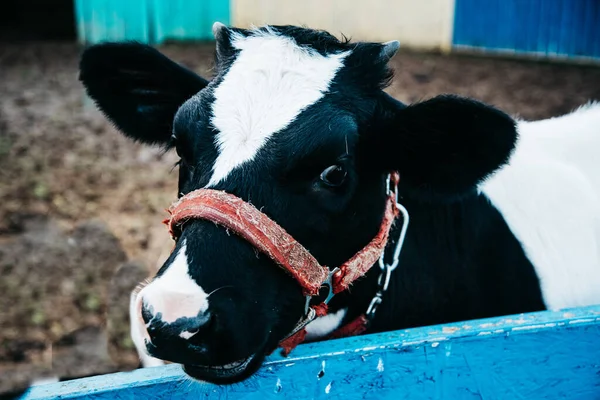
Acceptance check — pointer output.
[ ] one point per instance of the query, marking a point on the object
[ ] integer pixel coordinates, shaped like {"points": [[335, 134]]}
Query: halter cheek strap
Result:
{"points": [[268, 237]]}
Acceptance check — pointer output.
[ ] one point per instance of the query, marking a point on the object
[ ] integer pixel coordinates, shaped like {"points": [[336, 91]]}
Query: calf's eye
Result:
{"points": [[181, 151], [334, 176]]}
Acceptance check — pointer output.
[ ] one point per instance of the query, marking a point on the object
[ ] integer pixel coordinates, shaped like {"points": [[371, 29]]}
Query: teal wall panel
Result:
{"points": [[148, 21], [187, 19], [101, 20]]}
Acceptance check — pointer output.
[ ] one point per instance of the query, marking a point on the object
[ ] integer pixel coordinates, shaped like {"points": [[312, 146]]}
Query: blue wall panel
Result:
{"points": [[564, 28], [148, 21]]}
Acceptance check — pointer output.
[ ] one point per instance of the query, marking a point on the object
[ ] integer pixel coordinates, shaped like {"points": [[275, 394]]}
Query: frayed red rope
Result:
{"points": [[357, 327], [321, 309], [354, 328], [292, 342], [267, 236], [297, 338]]}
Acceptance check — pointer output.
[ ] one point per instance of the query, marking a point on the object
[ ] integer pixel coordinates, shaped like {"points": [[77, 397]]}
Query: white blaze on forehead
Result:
{"points": [[270, 82], [175, 294]]}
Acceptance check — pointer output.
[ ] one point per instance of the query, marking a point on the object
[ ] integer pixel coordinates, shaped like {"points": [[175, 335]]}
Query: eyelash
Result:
{"points": [[172, 141], [173, 144], [176, 164]]}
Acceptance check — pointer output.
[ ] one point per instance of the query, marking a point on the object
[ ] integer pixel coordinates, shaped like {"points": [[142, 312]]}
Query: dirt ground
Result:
{"points": [[81, 207]]}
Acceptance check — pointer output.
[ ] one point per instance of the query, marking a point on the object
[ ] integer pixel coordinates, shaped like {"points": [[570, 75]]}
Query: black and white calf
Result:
{"points": [[505, 215]]}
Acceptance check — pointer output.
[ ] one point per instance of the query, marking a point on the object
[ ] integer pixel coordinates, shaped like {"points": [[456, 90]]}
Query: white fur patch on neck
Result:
{"points": [[323, 326], [175, 294], [549, 195], [267, 86]]}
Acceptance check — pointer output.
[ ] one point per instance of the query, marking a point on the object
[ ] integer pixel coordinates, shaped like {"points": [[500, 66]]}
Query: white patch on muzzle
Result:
{"points": [[175, 294], [138, 334], [171, 296]]}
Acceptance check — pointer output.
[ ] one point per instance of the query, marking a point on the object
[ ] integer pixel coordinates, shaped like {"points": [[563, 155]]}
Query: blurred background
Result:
{"points": [[81, 207]]}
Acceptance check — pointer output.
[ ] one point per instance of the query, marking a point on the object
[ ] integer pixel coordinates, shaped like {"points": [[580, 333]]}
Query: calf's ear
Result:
{"points": [[137, 88], [445, 146]]}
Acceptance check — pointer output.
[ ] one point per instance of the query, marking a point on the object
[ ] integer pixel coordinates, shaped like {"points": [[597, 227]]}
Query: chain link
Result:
{"points": [[382, 285], [383, 281]]}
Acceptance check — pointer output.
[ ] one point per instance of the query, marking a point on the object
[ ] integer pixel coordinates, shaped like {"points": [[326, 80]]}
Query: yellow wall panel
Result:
{"points": [[415, 23]]}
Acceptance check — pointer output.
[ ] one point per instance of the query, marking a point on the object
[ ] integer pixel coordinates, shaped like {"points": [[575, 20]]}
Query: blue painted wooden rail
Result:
{"points": [[545, 355]]}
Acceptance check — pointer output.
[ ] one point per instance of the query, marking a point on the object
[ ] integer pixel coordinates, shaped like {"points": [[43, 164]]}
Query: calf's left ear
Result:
{"points": [[137, 88], [444, 146]]}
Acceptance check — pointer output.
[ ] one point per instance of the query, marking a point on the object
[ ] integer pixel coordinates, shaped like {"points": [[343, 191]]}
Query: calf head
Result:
{"points": [[295, 122]]}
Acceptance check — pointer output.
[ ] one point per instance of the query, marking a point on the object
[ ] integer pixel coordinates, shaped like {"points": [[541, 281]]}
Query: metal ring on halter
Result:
{"points": [[329, 283]]}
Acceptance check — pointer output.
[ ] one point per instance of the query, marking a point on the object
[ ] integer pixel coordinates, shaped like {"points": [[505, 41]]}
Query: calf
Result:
{"points": [[504, 215]]}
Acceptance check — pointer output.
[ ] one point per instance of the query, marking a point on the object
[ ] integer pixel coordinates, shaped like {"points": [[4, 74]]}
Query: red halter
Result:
{"points": [[271, 239]]}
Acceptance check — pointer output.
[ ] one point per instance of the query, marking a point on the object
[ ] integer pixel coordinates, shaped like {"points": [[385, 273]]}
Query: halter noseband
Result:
{"points": [[271, 239]]}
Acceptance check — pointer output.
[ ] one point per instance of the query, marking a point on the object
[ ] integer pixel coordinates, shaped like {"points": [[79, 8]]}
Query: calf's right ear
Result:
{"points": [[137, 88], [445, 146]]}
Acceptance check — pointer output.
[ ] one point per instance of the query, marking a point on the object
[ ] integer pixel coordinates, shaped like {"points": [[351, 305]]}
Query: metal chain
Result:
{"points": [[386, 269], [381, 288]]}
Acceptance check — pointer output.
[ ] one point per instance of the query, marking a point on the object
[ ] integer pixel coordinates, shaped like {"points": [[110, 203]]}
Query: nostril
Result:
{"points": [[147, 315], [197, 334], [168, 319]]}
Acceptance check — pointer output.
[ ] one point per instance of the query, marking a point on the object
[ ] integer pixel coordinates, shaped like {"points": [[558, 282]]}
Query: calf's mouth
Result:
{"points": [[228, 373]]}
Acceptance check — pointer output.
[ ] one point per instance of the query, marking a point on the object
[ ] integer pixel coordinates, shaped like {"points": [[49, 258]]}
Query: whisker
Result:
{"points": [[217, 289], [347, 152], [142, 285]]}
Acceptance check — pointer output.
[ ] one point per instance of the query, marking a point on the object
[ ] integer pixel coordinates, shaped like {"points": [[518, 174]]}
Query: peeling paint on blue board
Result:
{"points": [[545, 355], [555, 28]]}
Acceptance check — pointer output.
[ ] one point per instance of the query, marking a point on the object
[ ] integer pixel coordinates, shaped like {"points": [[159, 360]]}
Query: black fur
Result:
{"points": [[460, 260], [443, 146], [137, 87]]}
